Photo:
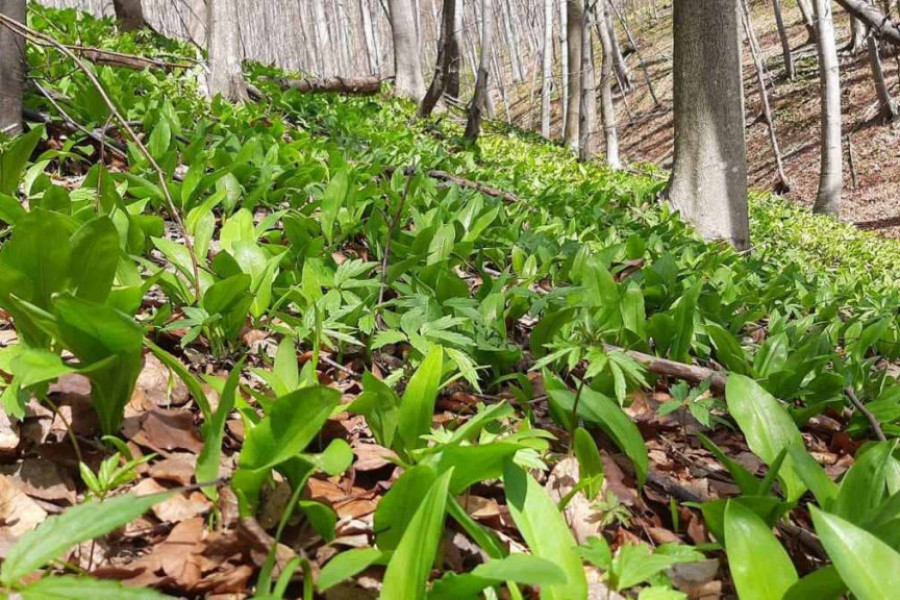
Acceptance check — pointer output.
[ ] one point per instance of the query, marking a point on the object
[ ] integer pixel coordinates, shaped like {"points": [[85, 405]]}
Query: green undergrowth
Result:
{"points": [[296, 204]]}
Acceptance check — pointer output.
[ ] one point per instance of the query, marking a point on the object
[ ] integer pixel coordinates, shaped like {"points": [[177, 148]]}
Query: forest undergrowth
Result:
{"points": [[310, 347]]}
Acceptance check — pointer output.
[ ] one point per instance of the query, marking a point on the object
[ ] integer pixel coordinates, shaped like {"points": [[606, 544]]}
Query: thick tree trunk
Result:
{"points": [[809, 20], [479, 103], [129, 14], [607, 77], [709, 174], [887, 109], [789, 68], [858, 33], [445, 52], [12, 69], [587, 146], [831, 176], [575, 28], [547, 71], [225, 51], [452, 90], [410, 82], [369, 33]]}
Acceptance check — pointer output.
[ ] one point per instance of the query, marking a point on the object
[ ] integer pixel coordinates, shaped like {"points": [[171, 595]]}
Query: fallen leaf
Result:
{"points": [[18, 513], [43, 480]]}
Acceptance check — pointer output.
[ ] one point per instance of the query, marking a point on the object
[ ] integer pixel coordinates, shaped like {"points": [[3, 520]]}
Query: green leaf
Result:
{"points": [[290, 425], [396, 508], [409, 567], [417, 406], [472, 464], [760, 567], [214, 431], [545, 531], [637, 563], [69, 587], [864, 485], [767, 426], [590, 463], [869, 567], [95, 256], [14, 159], [728, 350], [345, 565], [823, 584], [82, 523], [518, 568], [191, 382], [684, 324]]}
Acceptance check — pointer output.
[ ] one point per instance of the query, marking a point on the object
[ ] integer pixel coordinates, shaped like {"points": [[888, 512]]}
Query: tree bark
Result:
{"points": [[808, 20], [607, 77], [887, 108], [410, 82], [789, 68], [452, 90], [547, 71], [881, 25], [564, 63], [857, 36], [587, 109], [622, 70], [479, 104], [575, 28], [369, 33], [831, 176], [129, 14], [709, 175], [512, 39], [445, 53], [225, 51], [12, 69]]}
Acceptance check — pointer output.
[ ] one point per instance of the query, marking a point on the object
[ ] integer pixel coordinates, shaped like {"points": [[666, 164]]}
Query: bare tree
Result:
{"points": [[225, 51], [445, 55], [587, 147], [831, 176], [789, 68], [564, 61], [410, 82], [479, 104], [858, 31], [623, 73], [887, 108], [129, 14], [709, 175], [547, 71], [808, 19], [452, 90], [372, 51], [607, 76], [12, 69], [575, 28]]}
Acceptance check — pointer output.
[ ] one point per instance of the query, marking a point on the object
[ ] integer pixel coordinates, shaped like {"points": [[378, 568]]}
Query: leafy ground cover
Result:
{"points": [[293, 350]]}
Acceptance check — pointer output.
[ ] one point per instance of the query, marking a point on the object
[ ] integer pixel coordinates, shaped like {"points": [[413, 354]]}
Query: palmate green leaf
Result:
{"points": [[407, 572], [767, 426], [79, 524], [68, 587], [760, 567], [545, 531], [638, 563], [519, 568], [214, 431], [869, 567], [290, 425], [417, 405]]}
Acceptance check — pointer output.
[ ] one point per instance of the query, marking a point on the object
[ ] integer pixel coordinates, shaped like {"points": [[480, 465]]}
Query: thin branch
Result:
{"points": [[410, 174], [871, 418]]}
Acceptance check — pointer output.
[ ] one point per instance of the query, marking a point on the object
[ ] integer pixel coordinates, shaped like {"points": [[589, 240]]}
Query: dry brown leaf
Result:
{"points": [[159, 386], [167, 430], [43, 480], [9, 434], [178, 508], [179, 468], [371, 457], [18, 513]]}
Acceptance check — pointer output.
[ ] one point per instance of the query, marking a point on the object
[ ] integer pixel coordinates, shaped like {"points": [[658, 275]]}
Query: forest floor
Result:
{"points": [[870, 193]]}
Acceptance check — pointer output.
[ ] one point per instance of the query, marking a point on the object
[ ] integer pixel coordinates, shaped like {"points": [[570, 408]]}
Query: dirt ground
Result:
{"points": [[646, 130]]}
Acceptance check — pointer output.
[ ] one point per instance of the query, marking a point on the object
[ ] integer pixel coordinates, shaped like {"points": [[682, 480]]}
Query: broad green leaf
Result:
{"points": [[760, 567], [590, 463], [81, 523], [864, 485], [409, 567], [214, 431], [95, 256], [14, 159], [417, 406], [70, 587], [545, 531], [767, 426], [345, 565], [728, 349], [822, 584], [519, 568], [638, 563], [396, 508], [684, 324], [869, 567], [472, 464]]}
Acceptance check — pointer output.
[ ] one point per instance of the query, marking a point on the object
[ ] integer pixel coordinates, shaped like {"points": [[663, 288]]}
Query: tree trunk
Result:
{"points": [[879, 23], [857, 36], [622, 71], [587, 110], [575, 28], [455, 59], [410, 82], [547, 71], [369, 33], [12, 69], [831, 176], [607, 76], [887, 109], [226, 75], [480, 100], [789, 68], [512, 39], [808, 20], [129, 14], [445, 52], [709, 175]]}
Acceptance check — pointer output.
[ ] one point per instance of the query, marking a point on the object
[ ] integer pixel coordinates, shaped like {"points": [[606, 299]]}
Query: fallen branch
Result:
{"points": [[462, 182], [356, 86], [128, 61], [861, 408], [881, 25], [670, 368]]}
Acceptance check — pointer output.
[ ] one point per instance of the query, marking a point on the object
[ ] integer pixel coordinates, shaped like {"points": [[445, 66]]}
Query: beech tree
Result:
{"points": [[547, 71], [479, 104], [831, 174], [588, 100], [12, 69], [129, 14], [786, 53], [409, 82], [444, 57], [607, 76], [709, 174], [574, 32], [226, 75]]}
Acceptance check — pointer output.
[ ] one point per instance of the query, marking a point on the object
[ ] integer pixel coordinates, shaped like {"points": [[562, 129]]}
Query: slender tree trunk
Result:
{"points": [[479, 100], [225, 51], [809, 20], [622, 71], [324, 47], [129, 14], [587, 147], [410, 82], [887, 108], [369, 33], [575, 26], [789, 68], [857, 36], [547, 71], [831, 177], [12, 69], [637, 52], [564, 61], [442, 69], [607, 76], [709, 175], [455, 58], [512, 39]]}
